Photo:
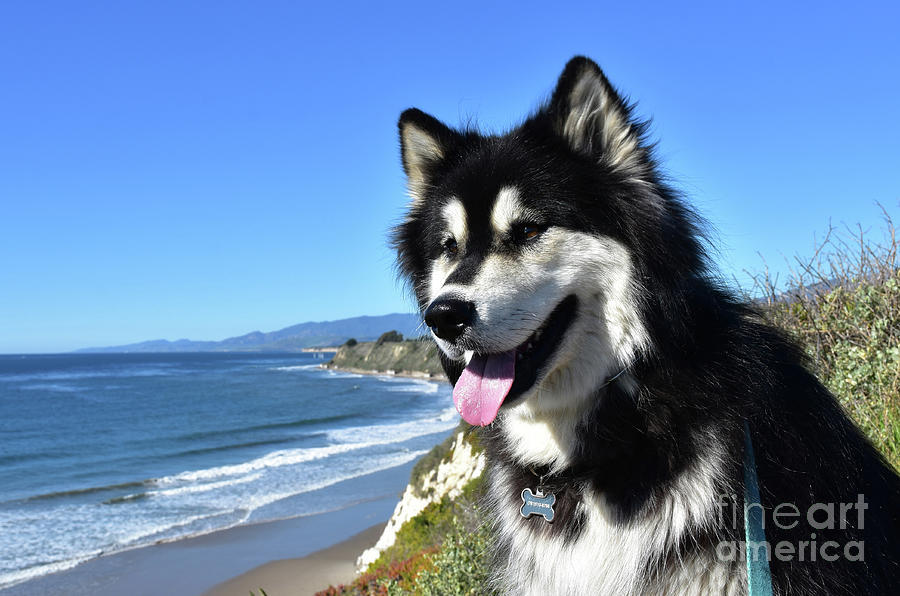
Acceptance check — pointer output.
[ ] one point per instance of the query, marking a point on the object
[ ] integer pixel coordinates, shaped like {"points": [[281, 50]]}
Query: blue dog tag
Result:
{"points": [[537, 504]]}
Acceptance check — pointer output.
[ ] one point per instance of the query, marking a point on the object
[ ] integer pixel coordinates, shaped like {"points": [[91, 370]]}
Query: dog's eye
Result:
{"points": [[450, 246], [529, 231]]}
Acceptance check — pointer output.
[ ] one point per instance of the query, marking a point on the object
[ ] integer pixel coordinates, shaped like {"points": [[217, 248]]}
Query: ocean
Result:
{"points": [[105, 452]]}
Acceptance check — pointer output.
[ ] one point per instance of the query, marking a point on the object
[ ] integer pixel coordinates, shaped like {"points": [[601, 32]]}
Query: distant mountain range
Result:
{"points": [[289, 339]]}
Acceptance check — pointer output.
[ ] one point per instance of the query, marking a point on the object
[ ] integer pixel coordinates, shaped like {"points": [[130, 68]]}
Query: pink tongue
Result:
{"points": [[483, 386]]}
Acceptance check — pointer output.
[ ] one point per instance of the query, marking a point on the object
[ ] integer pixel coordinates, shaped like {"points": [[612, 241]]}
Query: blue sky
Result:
{"points": [[203, 169]]}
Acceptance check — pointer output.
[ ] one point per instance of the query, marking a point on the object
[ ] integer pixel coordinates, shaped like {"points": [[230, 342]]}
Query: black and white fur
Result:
{"points": [[639, 461]]}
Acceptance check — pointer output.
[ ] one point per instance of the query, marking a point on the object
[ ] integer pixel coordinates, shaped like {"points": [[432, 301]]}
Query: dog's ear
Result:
{"points": [[424, 144], [594, 120]]}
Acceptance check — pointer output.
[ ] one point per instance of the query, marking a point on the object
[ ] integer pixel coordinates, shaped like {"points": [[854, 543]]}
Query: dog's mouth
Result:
{"points": [[490, 380]]}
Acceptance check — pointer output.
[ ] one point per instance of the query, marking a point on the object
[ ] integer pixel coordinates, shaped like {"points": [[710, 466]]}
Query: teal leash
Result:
{"points": [[759, 577]]}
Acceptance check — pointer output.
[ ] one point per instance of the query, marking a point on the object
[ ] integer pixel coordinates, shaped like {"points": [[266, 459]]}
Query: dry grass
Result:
{"points": [[843, 304]]}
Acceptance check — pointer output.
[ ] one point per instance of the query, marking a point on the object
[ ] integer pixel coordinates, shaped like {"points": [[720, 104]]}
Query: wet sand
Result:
{"points": [[304, 575]]}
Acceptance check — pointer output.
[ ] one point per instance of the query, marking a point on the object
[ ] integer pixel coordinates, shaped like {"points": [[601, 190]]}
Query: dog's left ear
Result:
{"points": [[424, 144], [594, 120]]}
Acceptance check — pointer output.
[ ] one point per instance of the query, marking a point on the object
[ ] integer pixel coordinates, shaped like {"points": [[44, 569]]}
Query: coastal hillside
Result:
{"points": [[289, 339], [406, 357], [442, 474], [437, 542]]}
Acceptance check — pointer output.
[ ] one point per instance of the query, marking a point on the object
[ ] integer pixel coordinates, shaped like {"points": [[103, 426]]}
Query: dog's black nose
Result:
{"points": [[449, 317]]}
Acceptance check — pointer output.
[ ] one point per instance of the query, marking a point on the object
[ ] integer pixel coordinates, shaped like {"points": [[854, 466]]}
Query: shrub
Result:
{"points": [[424, 531], [398, 577], [351, 342], [445, 546], [843, 305], [449, 533], [461, 566], [387, 336]]}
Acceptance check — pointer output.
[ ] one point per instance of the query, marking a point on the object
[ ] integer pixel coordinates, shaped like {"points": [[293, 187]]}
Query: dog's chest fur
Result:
{"points": [[592, 547]]}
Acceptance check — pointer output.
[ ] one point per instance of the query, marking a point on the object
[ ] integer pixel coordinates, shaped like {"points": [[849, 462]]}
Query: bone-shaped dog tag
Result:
{"points": [[537, 504]]}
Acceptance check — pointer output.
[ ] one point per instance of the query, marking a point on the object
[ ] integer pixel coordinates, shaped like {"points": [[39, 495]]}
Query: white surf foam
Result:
{"points": [[340, 374], [413, 386], [370, 467], [295, 367], [201, 488], [77, 375], [12, 578], [103, 530], [396, 432], [276, 459]]}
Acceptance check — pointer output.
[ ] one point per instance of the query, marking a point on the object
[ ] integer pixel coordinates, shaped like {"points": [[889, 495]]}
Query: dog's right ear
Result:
{"points": [[424, 144]]}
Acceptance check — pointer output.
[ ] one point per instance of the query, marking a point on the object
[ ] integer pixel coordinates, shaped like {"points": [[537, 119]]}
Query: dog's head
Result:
{"points": [[521, 248]]}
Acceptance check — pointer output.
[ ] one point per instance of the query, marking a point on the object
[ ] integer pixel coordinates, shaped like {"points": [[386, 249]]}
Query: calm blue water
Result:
{"points": [[101, 452]]}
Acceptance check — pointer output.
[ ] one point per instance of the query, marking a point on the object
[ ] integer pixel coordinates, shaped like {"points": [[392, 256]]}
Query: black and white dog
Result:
{"points": [[567, 288]]}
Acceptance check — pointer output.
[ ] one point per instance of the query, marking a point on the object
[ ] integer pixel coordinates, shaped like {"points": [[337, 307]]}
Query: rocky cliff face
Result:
{"points": [[463, 462], [411, 357]]}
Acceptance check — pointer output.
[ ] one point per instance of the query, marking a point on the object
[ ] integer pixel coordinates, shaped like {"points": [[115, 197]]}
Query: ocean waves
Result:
{"points": [[409, 385], [52, 538], [281, 445], [281, 425]]}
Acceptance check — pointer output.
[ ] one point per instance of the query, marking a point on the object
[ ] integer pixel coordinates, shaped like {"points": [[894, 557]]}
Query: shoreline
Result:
{"points": [[309, 574], [201, 564], [422, 376]]}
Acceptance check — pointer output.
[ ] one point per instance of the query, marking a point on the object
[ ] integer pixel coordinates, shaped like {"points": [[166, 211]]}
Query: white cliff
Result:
{"points": [[462, 464]]}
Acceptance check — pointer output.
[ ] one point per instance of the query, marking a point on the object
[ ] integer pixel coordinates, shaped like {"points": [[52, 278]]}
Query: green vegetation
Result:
{"points": [[397, 578], [460, 566], [429, 528], [389, 336], [351, 342], [401, 357], [843, 305], [442, 551]]}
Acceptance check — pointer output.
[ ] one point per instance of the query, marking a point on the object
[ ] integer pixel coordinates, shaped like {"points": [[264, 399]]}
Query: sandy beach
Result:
{"points": [[293, 556], [303, 575]]}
